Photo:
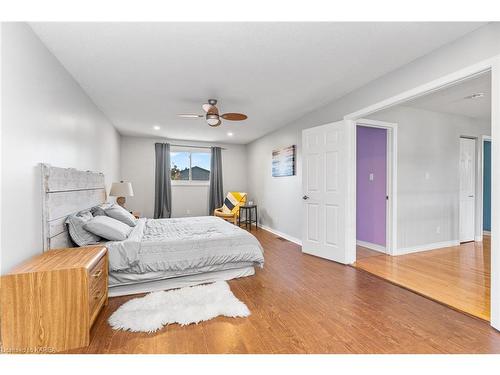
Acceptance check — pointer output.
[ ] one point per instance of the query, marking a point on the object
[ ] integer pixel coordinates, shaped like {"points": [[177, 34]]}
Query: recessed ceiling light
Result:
{"points": [[476, 95], [156, 127], [230, 134]]}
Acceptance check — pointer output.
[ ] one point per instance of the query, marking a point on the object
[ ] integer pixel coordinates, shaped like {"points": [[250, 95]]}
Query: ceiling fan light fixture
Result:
{"points": [[213, 120], [215, 124]]}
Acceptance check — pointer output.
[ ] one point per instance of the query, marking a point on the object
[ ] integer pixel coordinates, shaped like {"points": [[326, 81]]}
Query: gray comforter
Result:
{"points": [[183, 244]]}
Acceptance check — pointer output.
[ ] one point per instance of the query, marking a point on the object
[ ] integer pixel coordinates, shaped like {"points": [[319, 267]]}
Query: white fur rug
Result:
{"points": [[184, 306]]}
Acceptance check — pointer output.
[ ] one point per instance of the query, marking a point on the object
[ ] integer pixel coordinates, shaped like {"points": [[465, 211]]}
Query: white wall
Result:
{"points": [[46, 117], [287, 216], [138, 167], [278, 198], [428, 174]]}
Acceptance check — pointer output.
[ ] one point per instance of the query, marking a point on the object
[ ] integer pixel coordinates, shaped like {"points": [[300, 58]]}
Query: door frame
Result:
{"points": [[491, 64], [392, 178], [484, 138], [476, 188]]}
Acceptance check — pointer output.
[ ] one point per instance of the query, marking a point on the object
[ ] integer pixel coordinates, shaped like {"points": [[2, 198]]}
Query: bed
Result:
{"points": [[158, 254]]}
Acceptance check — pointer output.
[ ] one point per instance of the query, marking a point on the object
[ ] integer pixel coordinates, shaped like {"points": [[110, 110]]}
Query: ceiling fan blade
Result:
{"points": [[234, 116], [210, 109], [189, 115]]}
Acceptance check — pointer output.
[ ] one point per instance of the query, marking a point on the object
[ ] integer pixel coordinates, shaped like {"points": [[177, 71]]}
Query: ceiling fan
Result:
{"points": [[212, 114]]}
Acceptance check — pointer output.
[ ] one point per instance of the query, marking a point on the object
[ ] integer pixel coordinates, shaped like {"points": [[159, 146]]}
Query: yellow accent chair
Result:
{"points": [[230, 210]]}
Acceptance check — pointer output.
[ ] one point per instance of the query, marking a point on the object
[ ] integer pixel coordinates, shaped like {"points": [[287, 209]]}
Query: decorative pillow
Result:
{"points": [[233, 202], [101, 209], [108, 228], [79, 235], [119, 213]]}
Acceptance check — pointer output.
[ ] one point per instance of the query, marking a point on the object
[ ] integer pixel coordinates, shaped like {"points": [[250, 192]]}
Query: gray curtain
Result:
{"points": [[163, 187], [216, 193]]}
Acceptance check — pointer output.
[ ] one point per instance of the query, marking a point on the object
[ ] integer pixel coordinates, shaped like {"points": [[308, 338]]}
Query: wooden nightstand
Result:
{"points": [[50, 302]]}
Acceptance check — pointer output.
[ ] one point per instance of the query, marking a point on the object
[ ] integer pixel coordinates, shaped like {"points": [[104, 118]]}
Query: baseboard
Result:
{"points": [[486, 233], [426, 247], [281, 234], [372, 246], [478, 238]]}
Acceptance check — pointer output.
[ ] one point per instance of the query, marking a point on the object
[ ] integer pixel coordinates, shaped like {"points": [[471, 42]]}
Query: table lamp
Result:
{"points": [[121, 190]]}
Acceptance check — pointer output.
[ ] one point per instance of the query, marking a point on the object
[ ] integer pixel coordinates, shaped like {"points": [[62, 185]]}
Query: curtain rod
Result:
{"points": [[176, 145]]}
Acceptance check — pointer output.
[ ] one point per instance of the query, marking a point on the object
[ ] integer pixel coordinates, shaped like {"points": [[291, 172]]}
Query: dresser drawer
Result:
{"points": [[97, 297], [98, 287], [97, 273]]}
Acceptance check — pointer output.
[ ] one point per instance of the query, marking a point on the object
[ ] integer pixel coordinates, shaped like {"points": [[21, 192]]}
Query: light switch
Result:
{"points": [[371, 177]]}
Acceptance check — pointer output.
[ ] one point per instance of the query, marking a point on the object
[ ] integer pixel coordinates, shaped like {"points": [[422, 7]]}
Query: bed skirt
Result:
{"points": [[179, 282]]}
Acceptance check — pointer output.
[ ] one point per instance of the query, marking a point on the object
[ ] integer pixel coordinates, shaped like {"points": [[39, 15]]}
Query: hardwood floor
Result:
{"points": [[457, 276], [363, 252], [304, 304]]}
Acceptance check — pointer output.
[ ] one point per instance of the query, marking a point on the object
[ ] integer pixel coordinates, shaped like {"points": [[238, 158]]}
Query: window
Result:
{"points": [[190, 165]]}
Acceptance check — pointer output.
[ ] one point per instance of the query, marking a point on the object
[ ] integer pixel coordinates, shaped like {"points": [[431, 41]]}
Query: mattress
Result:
{"points": [[168, 248]]}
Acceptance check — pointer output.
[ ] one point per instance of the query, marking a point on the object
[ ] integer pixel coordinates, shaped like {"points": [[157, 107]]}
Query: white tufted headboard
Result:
{"points": [[66, 191]]}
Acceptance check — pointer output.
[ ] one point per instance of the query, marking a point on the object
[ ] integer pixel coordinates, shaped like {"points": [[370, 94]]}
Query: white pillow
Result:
{"points": [[108, 228], [119, 213]]}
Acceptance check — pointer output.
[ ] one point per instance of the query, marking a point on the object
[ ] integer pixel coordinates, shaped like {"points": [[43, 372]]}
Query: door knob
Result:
{"points": [[305, 197]]}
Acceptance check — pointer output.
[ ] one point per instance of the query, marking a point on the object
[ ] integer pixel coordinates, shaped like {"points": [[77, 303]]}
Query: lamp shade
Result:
{"points": [[121, 189]]}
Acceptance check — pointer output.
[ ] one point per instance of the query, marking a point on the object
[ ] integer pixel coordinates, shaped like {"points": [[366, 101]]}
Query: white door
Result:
{"points": [[467, 189], [324, 185]]}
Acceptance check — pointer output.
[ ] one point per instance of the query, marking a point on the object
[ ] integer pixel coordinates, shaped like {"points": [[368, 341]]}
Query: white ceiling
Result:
{"points": [[143, 74], [452, 99]]}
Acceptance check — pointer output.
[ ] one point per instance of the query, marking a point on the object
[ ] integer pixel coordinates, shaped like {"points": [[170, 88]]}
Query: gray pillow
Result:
{"points": [[101, 209], [119, 213], [108, 228], [79, 235]]}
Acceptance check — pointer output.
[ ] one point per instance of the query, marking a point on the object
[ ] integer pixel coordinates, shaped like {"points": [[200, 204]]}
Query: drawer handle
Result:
{"points": [[97, 274]]}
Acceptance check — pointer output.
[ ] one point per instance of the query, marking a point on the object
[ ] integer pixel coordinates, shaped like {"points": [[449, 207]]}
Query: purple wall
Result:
{"points": [[370, 194]]}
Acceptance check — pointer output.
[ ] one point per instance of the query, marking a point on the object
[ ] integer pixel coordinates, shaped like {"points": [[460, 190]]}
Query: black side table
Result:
{"points": [[248, 216]]}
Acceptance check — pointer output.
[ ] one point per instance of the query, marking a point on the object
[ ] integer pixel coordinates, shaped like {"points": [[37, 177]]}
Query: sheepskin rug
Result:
{"points": [[184, 306]]}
